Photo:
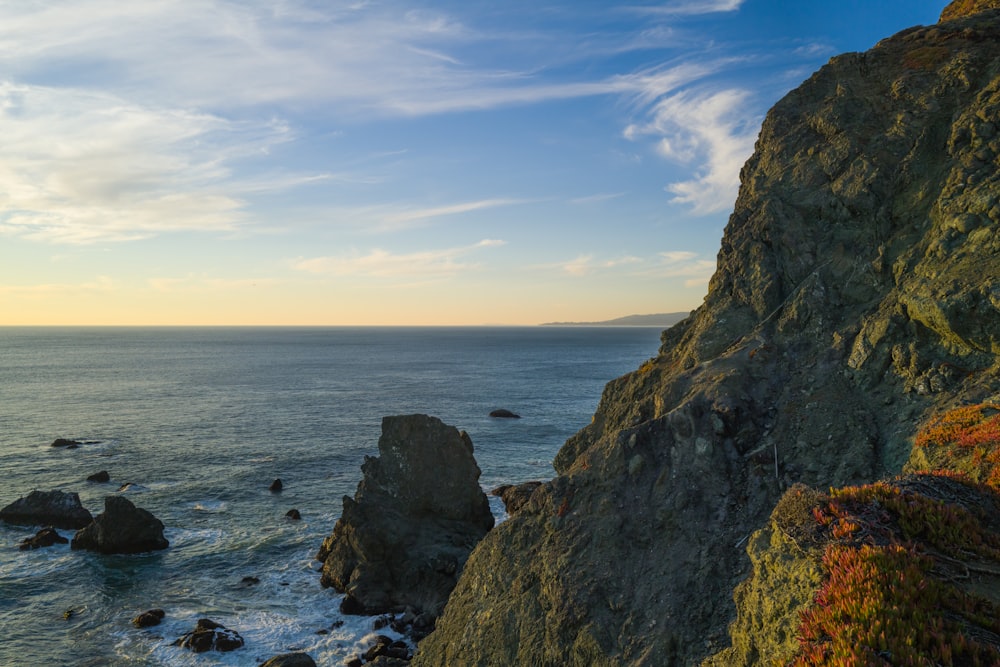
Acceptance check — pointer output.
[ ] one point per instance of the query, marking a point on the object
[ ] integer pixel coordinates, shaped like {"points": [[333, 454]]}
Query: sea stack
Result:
{"points": [[403, 539]]}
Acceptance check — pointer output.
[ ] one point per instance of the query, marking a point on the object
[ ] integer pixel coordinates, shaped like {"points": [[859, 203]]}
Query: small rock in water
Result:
{"points": [[100, 477], [249, 581], [149, 618], [504, 414], [46, 537], [293, 514], [297, 659], [210, 636], [276, 486], [66, 442]]}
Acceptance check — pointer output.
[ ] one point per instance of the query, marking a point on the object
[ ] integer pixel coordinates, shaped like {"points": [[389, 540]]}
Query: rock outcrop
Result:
{"points": [[210, 636], [122, 528], [418, 512], [857, 292], [61, 509], [46, 537]]}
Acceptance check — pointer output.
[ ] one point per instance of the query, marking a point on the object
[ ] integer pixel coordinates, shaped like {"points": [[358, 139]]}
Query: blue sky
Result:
{"points": [[381, 162]]}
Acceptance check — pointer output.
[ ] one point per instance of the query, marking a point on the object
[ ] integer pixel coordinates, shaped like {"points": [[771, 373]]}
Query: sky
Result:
{"points": [[384, 162]]}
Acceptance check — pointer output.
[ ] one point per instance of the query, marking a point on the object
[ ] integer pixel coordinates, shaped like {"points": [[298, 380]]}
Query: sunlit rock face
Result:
{"points": [[857, 292], [960, 8]]}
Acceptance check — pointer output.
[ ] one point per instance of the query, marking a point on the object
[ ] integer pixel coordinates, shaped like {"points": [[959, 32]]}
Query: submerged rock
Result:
{"points": [[47, 508], [122, 528], [418, 512], [210, 636], [101, 477], [46, 537], [66, 442], [504, 414]]}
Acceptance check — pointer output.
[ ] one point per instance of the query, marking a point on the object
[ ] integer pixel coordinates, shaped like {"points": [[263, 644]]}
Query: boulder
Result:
{"points": [[290, 660], [418, 512], [276, 486], [148, 619], [101, 477], [294, 515], [210, 636], [504, 414], [46, 537], [47, 508], [122, 528], [515, 496]]}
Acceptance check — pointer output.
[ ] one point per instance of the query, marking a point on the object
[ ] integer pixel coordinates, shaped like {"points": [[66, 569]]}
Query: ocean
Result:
{"points": [[193, 424]]}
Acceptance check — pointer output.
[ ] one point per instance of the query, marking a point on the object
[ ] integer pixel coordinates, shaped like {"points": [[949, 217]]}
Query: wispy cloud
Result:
{"points": [[713, 132], [412, 215], [78, 166], [683, 264], [691, 7], [441, 263]]}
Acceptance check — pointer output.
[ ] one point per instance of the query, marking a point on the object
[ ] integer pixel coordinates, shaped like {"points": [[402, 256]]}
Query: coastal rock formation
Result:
{"points": [[46, 537], [290, 660], [515, 496], [857, 293], [210, 636], [418, 512], [47, 508], [148, 619], [122, 528]]}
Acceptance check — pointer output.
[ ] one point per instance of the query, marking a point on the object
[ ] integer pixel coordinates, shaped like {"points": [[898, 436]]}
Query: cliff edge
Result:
{"points": [[857, 294]]}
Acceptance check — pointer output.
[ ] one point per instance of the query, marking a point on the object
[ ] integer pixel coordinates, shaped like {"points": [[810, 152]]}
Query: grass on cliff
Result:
{"points": [[912, 567]]}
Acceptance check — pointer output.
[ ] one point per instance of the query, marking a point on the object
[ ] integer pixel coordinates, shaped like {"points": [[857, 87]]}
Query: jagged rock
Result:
{"points": [[405, 536], [122, 528], [290, 660], [960, 8], [101, 477], [515, 496], [46, 537], [504, 414], [148, 619], [56, 508], [210, 636], [276, 486], [857, 289]]}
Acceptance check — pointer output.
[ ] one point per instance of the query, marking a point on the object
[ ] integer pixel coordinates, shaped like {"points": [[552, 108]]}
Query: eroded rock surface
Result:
{"points": [[857, 290], [418, 512]]}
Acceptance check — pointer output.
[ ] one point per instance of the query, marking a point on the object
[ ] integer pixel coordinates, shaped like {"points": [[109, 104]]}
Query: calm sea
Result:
{"points": [[199, 421]]}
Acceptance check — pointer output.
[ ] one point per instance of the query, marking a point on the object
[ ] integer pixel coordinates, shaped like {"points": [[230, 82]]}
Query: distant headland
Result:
{"points": [[654, 320]]}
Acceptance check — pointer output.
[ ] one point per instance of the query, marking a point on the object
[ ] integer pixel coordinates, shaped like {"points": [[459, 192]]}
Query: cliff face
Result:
{"points": [[857, 292]]}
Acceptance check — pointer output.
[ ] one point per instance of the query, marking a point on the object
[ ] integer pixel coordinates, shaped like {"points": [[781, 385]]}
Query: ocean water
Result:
{"points": [[198, 422]]}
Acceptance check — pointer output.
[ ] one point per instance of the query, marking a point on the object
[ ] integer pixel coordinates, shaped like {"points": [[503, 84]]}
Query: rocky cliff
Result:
{"points": [[857, 293]]}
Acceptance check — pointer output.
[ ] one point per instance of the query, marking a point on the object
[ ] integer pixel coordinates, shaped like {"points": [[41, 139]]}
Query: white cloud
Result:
{"points": [[413, 215], [98, 284], [583, 265], [714, 132], [442, 263], [77, 166], [691, 7]]}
